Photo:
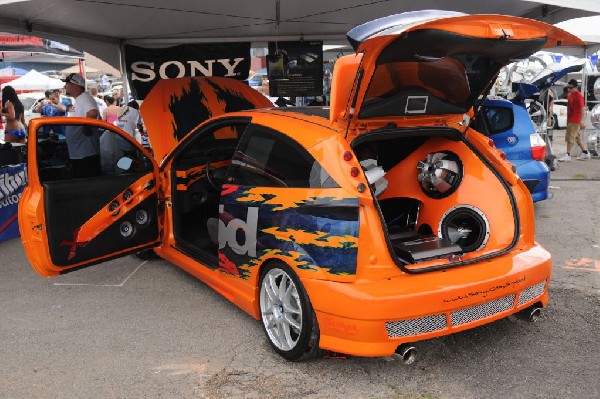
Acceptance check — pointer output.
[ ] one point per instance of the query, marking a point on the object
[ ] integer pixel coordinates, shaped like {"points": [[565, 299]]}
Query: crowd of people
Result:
{"points": [[89, 149], [85, 148]]}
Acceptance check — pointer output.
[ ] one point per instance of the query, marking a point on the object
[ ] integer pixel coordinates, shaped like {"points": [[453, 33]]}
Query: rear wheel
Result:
{"points": [[288, 318]]}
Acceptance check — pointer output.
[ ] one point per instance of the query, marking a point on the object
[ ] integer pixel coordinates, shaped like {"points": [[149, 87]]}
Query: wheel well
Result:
{"points": [[261, 269]]}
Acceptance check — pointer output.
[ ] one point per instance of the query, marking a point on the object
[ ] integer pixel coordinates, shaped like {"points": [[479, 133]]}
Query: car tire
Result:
{"points": [[288, 318], [554, 122]]}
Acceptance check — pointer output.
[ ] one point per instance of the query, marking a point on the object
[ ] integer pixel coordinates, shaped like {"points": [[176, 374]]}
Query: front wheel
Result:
{"points": [[287, 316]]}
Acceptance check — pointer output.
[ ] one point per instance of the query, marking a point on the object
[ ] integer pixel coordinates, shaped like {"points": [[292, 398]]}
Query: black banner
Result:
{"points": [[32, 44], [295, 69], [146, 66]]}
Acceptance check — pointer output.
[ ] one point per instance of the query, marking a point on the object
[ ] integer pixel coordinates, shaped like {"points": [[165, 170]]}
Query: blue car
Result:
{"points": [[509, 125]]}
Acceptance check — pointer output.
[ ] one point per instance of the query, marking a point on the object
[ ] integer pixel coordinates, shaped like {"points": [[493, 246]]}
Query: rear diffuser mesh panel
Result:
{"points": [[467, 315], [459, 317], [532, 292], [421, 325]]}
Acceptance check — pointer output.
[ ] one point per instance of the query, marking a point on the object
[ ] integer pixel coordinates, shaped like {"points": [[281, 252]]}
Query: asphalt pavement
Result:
{"points": [[146, 329]]}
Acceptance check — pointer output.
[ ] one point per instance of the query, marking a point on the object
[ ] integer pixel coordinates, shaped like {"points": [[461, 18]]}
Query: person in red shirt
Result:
{"points": [[575, 110]]}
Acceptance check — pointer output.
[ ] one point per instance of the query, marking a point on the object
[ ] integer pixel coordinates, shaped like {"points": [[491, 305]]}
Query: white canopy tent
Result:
{"points": [[34, 80], [101, 28], [586, 28], [75, 69]]}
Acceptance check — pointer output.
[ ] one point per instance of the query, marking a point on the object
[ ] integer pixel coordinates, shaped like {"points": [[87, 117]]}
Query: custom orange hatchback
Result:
{"points": [[379, 221]]}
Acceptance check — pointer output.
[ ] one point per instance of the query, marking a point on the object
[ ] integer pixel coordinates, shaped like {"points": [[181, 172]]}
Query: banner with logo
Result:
{"points": [[295, 69], [13, 179], [146, 66], [31, 44]]}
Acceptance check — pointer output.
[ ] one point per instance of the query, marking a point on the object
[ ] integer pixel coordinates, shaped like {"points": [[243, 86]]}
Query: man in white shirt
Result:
{"points": [[128, 119], [112, 146], [83, 142], [105, 82], [100, 102]]}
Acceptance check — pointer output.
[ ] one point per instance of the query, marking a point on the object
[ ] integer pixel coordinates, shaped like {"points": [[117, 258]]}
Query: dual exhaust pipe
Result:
{"points": [[408, 353]]}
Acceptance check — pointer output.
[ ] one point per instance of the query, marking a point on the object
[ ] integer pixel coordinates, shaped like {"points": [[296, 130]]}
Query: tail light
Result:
{"points": [[538, 147]]}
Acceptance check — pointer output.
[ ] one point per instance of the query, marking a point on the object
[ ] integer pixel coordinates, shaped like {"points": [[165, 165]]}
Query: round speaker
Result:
{"points": [[127, 194], [595, 115], [142, 217], [596, 89], [440, 174], [126, 229], [466, 226], [112, 207]]}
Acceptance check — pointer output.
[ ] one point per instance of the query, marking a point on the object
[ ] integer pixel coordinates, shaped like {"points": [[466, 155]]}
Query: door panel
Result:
{"points": [[68, 239], [68, 222]]}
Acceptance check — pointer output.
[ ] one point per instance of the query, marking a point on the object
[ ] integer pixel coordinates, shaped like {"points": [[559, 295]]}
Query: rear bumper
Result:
{"points": [[374, 318], [536, 176]]}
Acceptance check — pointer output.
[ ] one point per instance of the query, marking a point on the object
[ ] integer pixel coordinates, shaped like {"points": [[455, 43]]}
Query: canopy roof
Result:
{"points": [[586, 29], [100, 27], [33, 80]]}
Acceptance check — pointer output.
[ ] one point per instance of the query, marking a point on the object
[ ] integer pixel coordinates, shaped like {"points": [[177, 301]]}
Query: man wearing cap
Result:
{"points": [[575, 110], [83, 142]]}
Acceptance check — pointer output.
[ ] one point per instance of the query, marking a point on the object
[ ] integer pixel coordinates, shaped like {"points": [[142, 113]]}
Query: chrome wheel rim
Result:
{"points": [[281, 310]]}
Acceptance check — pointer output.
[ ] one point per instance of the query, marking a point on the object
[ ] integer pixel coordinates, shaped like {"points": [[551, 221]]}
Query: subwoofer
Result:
{"points": [[466, 226], [440, 174]]}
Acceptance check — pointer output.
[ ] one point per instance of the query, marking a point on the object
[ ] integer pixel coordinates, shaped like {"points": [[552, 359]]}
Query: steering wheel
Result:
{"points": [[213, 182]]}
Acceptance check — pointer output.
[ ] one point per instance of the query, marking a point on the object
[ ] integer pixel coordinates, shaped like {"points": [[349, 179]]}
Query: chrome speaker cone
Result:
{"points": [[440, 174]]}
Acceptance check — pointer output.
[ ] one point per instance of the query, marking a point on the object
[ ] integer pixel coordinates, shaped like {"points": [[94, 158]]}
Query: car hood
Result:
{"points": [[549, 75], [174, 107], [432, 62]]}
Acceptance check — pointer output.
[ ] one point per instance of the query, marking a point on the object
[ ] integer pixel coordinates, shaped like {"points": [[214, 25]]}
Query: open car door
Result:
{"points": [[68, 221]]}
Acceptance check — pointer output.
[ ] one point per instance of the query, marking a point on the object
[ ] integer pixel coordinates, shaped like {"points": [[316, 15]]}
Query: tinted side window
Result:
{"points": [[499, 119], [60, 159], [268, 158]]}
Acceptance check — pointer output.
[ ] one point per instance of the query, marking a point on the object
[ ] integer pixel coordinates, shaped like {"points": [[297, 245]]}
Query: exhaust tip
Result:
{"points": [[534, 314], [530, 314], [407, 353]]}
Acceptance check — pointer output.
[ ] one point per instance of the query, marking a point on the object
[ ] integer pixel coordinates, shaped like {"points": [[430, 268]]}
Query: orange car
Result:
{"points": [[379, 221]]}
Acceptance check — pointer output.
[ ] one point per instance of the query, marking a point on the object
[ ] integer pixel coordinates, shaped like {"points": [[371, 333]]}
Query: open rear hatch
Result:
{"points": [[445, 202], [431, 62]]}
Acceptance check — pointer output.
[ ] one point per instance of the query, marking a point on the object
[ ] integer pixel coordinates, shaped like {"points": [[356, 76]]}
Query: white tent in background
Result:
{"points": [[75, 69], [34, 80]]}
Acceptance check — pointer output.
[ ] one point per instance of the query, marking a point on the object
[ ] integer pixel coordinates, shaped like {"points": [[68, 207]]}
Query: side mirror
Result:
{"points": [[124, 163]]}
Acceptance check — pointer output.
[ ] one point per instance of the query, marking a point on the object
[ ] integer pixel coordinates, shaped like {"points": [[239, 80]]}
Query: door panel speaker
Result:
{"points": [[466, 226], [142, 217], [126, 229]]}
